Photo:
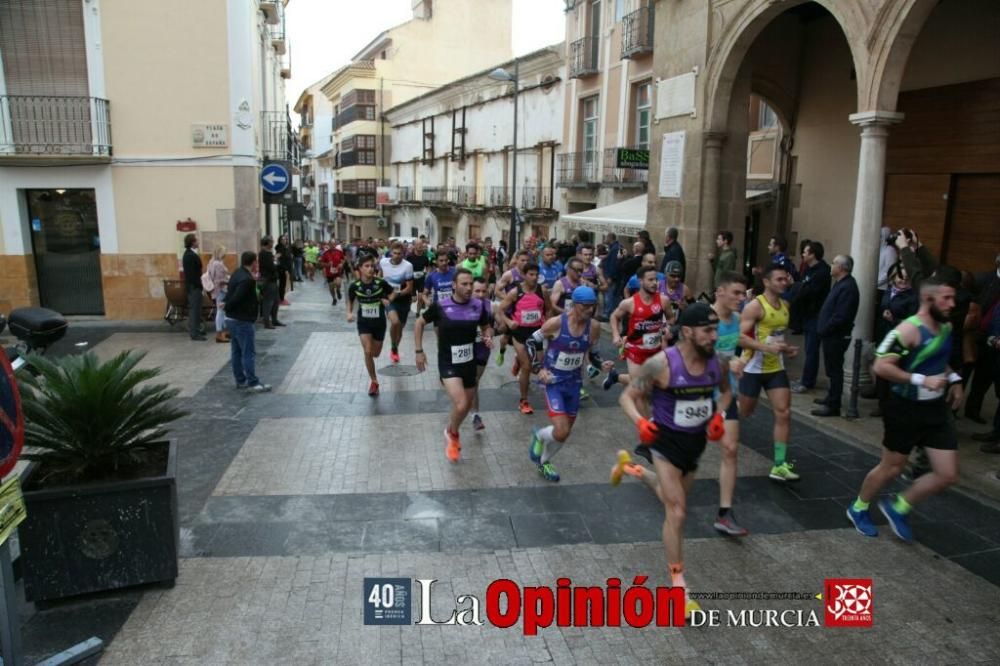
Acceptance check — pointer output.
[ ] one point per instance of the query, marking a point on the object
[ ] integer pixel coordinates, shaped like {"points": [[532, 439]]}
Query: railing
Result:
{"points": [[577, 169], [349, 200], [614, 176], [53, 125], [499, 196], [324, 214], [278, 142], [437, 195], [534, 198], [637, 32], [470, 195], [583, 57]]}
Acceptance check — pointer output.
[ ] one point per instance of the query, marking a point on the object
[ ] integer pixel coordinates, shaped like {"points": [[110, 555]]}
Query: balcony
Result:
{"points": [[324, 214], [272, 13], [437, 195], [615, 177], [278, 40], [405, 194], [51, 126], [499, 196], [637, 32], [470, 196], [356, 201], [577, 169], [583, 57], [278, 142], [534, 198]]}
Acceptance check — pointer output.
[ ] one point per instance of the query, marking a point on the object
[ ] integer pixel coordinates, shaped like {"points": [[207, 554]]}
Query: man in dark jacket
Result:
{"points": [[672, 251], [241, 314], [988, 356], [612, 273], [192, 281], [836, 320], [810, 293], [268, 283]]}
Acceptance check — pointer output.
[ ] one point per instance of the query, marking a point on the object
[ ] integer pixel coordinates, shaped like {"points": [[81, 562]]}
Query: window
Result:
{"points": [[590, 129], [643, 112], [619, 10], [768, 118]]}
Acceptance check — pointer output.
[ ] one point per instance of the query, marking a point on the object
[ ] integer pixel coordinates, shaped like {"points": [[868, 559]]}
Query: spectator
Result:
{"points": [[298, 260], [283, 257], [987, 358], [725, 260], [918, 260], [887, 257], [899, 302], [647, 242], [836, 320], [219, 275], [191, 263], [672, 251], [632, 264], [992, 439], [241, 313], [502, 257], [268, 283], [610, 267], [810, 294]]}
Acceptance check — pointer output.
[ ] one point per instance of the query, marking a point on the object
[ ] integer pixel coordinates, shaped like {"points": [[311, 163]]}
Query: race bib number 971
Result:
{"points": [[369, 310]]}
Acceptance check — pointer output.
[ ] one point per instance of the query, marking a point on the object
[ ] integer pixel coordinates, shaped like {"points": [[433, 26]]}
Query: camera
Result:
{"points": [[891, 240]]}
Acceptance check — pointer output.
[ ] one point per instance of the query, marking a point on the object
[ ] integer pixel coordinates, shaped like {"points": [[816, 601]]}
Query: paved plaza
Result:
{"points": [[289, 500]]}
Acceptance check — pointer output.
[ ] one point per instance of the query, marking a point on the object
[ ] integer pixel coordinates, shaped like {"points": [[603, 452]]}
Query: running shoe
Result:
{"points": [[728, 525], [862, 521], [525, 407], [593, 371], [477, 423], [899, 522], [583, 394], [619, 468], [373, 389], [453, 447], [690, 606], [783, 472], [259, 388], [610, 380], [394, 356], [500, 355], [548, 472], [535, 448]]}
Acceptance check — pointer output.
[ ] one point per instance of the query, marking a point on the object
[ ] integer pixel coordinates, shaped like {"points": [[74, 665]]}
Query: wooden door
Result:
{"points": [[973, 238], [918, 202]]}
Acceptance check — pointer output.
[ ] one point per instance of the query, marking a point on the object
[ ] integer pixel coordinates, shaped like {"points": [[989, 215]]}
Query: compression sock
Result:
{"points": [[901, 506], [860, 505], [780, 449]]}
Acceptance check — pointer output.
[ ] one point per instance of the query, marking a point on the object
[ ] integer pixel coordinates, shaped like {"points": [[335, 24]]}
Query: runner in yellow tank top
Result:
{"points": [[762, 336]]}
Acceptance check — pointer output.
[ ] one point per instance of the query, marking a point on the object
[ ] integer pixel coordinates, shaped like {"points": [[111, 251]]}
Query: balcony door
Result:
{"points": [[67, 249], [590, 146]]}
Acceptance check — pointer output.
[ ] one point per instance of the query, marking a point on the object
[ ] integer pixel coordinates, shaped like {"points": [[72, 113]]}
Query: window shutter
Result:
{"points": [[44, 48]]}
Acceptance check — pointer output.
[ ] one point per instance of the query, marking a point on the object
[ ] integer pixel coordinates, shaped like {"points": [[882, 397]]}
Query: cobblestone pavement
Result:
{"points": [[289, 500]]}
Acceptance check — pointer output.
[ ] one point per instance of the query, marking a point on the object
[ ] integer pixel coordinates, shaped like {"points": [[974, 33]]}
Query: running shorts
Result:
{"points": [[563, 398], [401, 306], [751, 383], [372, 327], [521, 334], [482, 354], [680, 449], [465, 371], [910, 423], [638, 355]]}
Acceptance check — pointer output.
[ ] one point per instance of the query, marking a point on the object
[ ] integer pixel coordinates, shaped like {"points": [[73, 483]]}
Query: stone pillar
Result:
{"points": [[710, 206], [865, 238]]}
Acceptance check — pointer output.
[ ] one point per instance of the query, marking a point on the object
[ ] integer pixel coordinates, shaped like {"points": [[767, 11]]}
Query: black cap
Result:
{"points": [[698, 314]]}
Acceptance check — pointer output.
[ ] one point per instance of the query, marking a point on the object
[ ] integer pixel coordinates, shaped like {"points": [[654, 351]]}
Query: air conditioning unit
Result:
{"points": [[382, 224]]}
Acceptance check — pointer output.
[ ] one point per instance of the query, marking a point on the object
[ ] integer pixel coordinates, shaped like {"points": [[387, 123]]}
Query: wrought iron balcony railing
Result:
{"points": [[54, 125], [534, 198], [637, 32], [612, 175], [583, 57], [278, 141], [577, 169]]}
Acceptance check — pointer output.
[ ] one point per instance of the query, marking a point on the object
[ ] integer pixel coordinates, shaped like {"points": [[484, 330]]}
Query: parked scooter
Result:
{"points": [[36, 329]]}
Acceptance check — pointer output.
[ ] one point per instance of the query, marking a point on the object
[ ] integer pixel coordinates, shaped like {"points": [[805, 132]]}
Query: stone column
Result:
{"points": [[865, 238], [710, 206]]}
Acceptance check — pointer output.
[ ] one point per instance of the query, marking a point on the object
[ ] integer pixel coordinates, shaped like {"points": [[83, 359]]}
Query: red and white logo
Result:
{"points": [[848, 602]]}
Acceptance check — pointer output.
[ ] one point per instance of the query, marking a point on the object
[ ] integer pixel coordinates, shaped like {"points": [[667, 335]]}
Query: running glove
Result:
{"points": [[716, 428], [647, 431]]}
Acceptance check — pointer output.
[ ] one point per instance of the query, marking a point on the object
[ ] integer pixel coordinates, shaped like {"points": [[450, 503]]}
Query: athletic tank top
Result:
{"points": [[567, 292], [686, 404], [674, 295], [566, 355], [645, 326], [769, 330], [728, 342], [929, 358], [515, 279], [590, 274], [529, 308]]}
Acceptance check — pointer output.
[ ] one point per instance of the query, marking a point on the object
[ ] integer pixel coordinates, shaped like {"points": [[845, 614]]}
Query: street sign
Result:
{"points": [[629, 158], [274, 178], [11, 417]]}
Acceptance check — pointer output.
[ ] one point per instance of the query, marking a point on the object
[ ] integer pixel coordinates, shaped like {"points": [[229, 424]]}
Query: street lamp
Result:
{"points": [[501, 74]]}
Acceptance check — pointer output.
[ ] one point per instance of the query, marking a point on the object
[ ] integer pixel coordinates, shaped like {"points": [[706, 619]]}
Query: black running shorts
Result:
{"points": [[909, 423], [465, 371], [680, 449]]}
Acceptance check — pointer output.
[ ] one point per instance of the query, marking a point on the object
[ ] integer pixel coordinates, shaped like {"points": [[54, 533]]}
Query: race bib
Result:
{"points": [[692, 413], [531, 316], [651, 340], [569, 303], [566, 361], [461, 353], [417, 275], [370, 310], [776, 337], [924, 393], [443, 293]]}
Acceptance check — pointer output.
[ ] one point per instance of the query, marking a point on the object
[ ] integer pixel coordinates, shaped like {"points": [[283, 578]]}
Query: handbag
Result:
{"points": [[206, 282]]}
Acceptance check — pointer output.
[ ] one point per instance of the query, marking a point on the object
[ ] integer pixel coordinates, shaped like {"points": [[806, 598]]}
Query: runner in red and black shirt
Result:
{"points": [[333, 262]]}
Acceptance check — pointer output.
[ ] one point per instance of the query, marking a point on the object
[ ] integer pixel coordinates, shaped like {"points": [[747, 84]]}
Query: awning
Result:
{"points": [[625, 218]]}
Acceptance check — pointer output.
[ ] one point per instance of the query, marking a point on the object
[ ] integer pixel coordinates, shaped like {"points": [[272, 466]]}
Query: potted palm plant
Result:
{"points": [[100, 493]]}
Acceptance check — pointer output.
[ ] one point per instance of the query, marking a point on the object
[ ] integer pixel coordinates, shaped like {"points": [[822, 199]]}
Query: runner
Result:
{"points": [[678, 292], [312, 258], [421, 265], [481, 351], [333, 262], [914, 358], [632, 286], [648, 313], [458, 318], [438, 283], [474, 261], [373, 294], [508, 281], [549, 268], [729, 296], [572, 335], [762, 337], [592, 275], [523, 312], [564, 287], [681, 381], [399, 273]]}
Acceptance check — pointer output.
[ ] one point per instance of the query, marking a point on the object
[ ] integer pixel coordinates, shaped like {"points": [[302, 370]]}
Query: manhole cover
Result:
{"points": [[398, 370]]}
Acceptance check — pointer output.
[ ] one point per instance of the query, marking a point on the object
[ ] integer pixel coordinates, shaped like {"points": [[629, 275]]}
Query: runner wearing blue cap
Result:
{"points": [[573, 336]]}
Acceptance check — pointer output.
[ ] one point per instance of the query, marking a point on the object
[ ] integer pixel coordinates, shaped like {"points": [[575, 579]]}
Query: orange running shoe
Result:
{"points": [[634, 469], [616, 472], [373, 389], [394, 356], [525, 407], [453, 447]]}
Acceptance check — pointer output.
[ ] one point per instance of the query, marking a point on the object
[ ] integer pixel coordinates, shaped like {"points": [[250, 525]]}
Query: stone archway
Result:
{"points": [[890, 40]]}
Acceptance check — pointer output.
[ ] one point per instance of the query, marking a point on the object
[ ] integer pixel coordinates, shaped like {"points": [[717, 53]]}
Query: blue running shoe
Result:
{"points": [[536, 447], [899, 522], [548, 472], [593, 371], [610, 380], [862, 522]]}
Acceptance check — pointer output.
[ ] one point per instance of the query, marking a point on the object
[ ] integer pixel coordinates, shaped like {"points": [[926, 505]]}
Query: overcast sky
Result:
{"points": [[324, 34]]}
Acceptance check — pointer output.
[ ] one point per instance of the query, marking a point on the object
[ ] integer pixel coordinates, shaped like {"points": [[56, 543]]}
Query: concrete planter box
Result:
{"points": [[100, 536]]}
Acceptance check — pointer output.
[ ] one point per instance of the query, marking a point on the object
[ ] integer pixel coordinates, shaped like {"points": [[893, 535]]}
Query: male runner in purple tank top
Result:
{"points": [[682, 381]]}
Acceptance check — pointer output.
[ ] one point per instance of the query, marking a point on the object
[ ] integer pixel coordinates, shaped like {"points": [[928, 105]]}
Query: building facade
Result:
{"points": [[452, 163], [122, 123], [886, 113], [609, 107], [316, 143]]}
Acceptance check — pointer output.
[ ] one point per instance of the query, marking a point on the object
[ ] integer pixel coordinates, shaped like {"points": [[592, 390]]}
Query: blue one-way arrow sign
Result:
{"points": [[274, 178]]}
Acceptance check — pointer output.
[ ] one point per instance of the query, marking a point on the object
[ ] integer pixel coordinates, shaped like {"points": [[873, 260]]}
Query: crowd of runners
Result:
{"points": [[688, 369]]}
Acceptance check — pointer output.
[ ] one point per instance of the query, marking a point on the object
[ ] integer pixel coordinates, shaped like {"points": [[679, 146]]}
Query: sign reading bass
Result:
{"points": [[632, 158]]}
